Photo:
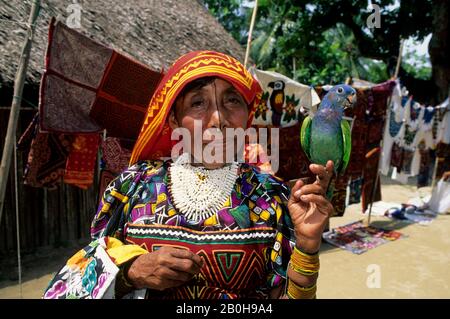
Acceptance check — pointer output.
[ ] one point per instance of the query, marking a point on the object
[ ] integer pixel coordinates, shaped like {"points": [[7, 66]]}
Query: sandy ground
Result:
{"points": [[412, 267]]}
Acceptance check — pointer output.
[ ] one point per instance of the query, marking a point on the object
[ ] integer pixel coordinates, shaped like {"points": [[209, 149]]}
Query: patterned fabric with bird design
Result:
{"points": [[284, 100]]}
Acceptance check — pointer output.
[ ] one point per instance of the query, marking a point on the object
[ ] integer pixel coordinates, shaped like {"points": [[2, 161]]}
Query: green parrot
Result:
{"points": [[325, 135]]}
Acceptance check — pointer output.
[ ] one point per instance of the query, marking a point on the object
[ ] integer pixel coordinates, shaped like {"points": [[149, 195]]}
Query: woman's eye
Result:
{"points": [[234, 100], [198, 103]]}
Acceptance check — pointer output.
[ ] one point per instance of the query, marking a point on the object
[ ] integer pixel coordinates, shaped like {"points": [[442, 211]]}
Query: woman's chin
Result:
{"points": [[213, 165]]}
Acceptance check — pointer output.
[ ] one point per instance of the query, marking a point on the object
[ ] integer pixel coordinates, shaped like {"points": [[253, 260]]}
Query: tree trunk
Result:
{"points": [[439, 49]]}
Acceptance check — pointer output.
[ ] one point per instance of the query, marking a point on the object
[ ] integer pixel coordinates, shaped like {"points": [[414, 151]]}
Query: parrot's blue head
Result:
{"points": [[341, 95]]}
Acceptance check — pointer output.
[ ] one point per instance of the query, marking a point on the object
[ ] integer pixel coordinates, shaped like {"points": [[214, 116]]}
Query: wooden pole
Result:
{"points": [[397, 69], [249, 40], [294, 67], [399, 58], [16, 101]]}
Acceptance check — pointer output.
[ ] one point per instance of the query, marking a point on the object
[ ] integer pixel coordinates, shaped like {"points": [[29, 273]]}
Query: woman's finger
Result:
{"points": [[298, 185], [323, 174], [185, 265], [187, 254], [171, 274], [322, 203], [310, 189], [330, 167]]}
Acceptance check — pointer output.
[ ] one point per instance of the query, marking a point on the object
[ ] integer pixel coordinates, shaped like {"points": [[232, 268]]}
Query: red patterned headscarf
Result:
{"points": [[154, 139]]}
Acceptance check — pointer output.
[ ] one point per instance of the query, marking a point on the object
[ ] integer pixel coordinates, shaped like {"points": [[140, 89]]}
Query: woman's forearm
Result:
{"points": [[302, 273]]}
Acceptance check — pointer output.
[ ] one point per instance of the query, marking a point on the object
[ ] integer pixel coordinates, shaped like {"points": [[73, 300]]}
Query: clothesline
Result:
{"points": [[413, 129]]}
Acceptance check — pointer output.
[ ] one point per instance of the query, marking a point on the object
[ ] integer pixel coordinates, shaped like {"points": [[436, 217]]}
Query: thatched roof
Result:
{"points": [[155, 32]]}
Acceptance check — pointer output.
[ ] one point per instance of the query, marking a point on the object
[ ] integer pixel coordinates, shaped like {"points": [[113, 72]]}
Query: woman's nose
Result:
{"points": [[216, 119]]}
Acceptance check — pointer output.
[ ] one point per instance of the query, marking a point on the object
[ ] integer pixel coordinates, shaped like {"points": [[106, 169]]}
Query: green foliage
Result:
{"points": [[416, 65], [328, 40]]}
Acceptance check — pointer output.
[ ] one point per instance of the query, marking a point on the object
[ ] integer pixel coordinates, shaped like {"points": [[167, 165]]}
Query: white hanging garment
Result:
{"points": [[440, 197]]}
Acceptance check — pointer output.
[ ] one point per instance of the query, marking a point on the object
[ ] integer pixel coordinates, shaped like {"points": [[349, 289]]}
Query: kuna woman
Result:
{"points": [[191, 227]]}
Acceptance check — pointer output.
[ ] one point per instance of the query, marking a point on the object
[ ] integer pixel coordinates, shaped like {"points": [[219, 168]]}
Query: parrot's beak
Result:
{"points": [[351, 99]]}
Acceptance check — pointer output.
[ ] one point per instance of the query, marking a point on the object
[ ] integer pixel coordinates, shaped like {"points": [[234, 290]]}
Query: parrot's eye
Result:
{"points": [[340, 90]]}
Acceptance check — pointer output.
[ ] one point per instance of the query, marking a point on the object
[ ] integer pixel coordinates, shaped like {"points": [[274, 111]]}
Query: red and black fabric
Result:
{"points": [[424, 169], [46, 158], [114, 155], [123, 97], [293, 161], [81, 161], [235, 267], [339, 195], [443, 159], [88, 87], [397, 156], [371, 190]]}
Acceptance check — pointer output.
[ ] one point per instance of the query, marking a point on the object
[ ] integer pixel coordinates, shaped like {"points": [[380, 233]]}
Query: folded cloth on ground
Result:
{"points": [[413, 214], [380, 208]]}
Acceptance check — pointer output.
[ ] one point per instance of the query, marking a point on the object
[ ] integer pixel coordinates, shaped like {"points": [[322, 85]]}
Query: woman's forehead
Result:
{"points": [[219, 84]]}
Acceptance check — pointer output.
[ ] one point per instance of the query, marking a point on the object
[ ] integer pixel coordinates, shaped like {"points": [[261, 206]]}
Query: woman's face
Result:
{"points": [[215, 106]]}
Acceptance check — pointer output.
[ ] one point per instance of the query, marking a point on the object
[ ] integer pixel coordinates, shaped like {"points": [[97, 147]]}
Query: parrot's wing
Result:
{"points": [[347, 138], [305, 135]]}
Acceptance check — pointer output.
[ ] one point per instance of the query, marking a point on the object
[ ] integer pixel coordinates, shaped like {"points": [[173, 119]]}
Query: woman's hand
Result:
{"points": [[310, 209], [165, 268]]}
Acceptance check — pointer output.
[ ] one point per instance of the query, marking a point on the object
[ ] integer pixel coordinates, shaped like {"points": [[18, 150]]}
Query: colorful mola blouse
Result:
{"points": [[246, 245]]}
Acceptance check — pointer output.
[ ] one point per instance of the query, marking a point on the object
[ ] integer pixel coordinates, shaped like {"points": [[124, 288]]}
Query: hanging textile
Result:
{"points": [[424, 166], [443, 159], [114, 155], [87, 87], [106, 177], [293, 161], [81, 161], [391, 134], [443, 128], [339, 196], [283, 99], [355, 189], [123, 97], [439, 124], [46, 157], [369, 194]]}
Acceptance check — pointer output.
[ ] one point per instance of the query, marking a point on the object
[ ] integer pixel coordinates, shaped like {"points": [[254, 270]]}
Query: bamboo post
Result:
{"points": [[249, 40], [399, 59], [294, 67], [16, 206], [16, 101], [397, 69]]}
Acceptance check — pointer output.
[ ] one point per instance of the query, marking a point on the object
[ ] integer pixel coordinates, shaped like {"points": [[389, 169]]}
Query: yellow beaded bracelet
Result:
{"points": [[303, 263], [296, 292], [302, 271]]}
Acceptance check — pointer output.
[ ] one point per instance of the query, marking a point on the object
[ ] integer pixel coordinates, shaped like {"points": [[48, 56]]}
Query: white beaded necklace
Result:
{"points": [[197, 192]]}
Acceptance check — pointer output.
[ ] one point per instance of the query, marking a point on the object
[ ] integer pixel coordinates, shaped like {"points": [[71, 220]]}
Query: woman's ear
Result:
{"points": [[173, 123]]}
